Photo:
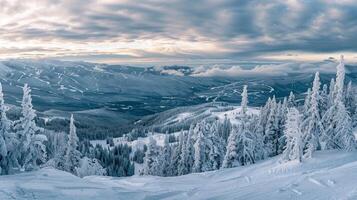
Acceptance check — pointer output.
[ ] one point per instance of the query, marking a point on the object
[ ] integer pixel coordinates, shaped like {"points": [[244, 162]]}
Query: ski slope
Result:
{"points": [[329, 175]]}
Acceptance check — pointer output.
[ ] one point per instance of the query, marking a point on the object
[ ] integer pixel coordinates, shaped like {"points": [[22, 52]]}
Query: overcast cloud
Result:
{"points": [[178, 30]]}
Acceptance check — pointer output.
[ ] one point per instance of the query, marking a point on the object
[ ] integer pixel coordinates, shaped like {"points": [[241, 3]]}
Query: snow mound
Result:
{"points": [[329, 175]]}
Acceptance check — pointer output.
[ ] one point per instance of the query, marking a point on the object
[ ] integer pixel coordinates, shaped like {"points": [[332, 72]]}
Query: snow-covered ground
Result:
{"points": [[329, 175], [159, 137]]}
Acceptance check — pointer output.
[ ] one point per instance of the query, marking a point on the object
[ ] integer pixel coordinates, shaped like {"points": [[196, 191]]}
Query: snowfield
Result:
{"points": [[329, 175]]}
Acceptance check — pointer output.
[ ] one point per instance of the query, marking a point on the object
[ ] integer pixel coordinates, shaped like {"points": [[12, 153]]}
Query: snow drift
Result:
{"points": [[329, 175]]}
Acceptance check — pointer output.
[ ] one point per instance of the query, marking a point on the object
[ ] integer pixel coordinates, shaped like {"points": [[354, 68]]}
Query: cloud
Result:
{"points": [[232, 29], [266, 69]]}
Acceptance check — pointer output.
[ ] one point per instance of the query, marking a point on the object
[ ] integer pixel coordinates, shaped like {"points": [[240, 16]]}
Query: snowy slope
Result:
{"points": [[330, 175], [193, 113]]}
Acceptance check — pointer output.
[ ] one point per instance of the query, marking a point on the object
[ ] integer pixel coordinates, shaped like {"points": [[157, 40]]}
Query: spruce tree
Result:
{"points": [[31, 148], [72, 156], [294, 144]]}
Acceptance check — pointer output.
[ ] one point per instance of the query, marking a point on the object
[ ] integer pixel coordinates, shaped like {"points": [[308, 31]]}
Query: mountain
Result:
{"points": [[109, 99], [329, 175]]}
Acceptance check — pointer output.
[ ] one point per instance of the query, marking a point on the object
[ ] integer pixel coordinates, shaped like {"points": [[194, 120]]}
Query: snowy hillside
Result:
{"points": [[329, 175], [179, 118], [113, 94]]}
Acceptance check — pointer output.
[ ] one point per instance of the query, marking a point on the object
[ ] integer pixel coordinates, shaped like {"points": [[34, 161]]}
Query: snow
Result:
{"points": [[328, 175], [159, 137]]}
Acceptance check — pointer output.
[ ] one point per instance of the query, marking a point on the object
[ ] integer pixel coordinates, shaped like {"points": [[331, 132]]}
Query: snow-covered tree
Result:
{"points": [[165, 158], [225, 128], [294, 144], [231, 156], [183, 167], [244, 102], [350, 101], [312, 126], [56, 149], [199, 147], [89, 167], [31, 148], [337, 122], [176, 156], [8, 141], [245, 143], [216, 147], [190, 149], [307, 102], [291, 100], [331, 94], [324, 99], [271, 130], [340, 79], [72, 156], [150, 161]]}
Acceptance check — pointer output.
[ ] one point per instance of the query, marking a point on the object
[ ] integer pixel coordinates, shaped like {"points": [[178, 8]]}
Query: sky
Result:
{"points": [[178, 31]]}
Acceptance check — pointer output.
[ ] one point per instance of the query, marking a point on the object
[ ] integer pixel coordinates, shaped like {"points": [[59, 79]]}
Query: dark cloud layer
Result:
{"points": [[237, 28]]}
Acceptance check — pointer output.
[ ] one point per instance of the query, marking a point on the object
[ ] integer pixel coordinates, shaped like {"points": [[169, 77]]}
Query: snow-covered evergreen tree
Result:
{"points": [[31, 148], [307, 102], [294, 144], [231, 156], [337, 122], [190, 149], [89, 167], [324, 99], [291, 100], [183, 167], [331, 94], [271, 130], [72, 156], [176, 156], [199, 147], [340, 81], [225, 128], [312, 126], [245, 143], [244, 102], [150, 161], [350, 101], [165, 158], [216, 147]]}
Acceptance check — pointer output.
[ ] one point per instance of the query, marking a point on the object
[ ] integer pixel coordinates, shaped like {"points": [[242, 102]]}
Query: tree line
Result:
{"points": [[323, 122]]}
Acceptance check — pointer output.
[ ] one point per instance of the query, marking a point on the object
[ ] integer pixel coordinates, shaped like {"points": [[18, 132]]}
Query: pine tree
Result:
{"points": [[31, 148], [312, 125], [294, 145], [291, 100], [323, 101], [340, 79], [190, 150], [245, 143], [183, 167], [216, 147], [350, 99], [199, 147], [271, 130], [244, 102], [150, 161], [226, 128], [337, 122], [72, 156], [164, 158], [331, 95], [307, 102], [175, 157], [231, 156]]}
